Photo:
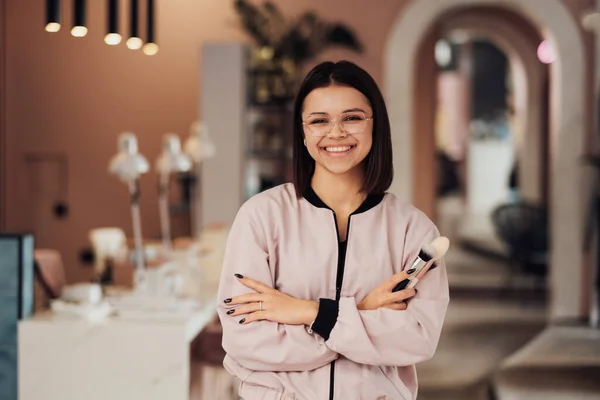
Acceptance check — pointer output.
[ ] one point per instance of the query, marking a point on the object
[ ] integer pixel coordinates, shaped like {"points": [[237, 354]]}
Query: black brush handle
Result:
{"points": [[401, 286]]}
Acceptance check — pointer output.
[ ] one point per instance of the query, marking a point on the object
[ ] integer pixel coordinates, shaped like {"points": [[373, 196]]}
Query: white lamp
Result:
{"points": [[170, 160], [199, 147], [128, 165], [110, 245]]}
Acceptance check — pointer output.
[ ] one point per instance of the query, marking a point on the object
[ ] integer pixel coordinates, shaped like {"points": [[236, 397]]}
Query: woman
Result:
{"points": [[307, 306]]}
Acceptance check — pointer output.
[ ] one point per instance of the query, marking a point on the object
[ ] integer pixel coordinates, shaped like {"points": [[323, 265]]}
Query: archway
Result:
{"points": [[567, 126], [528, 75]]}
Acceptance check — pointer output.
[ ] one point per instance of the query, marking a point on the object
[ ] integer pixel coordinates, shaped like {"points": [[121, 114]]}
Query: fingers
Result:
{"points": [[245, 298], [400, 296], [254, 285], [244, 309], [255, 316], [396, 306], [393, 280]]}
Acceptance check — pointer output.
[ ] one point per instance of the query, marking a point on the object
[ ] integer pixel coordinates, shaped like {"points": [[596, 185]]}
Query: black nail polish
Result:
{"points": [[227, 301], [242, 320], [239, 276], [410, 271], [230, 312]]}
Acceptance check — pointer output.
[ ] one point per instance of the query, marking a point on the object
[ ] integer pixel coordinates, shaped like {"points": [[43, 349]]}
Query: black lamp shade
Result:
{"points": [[78, 12], [113, 17], [52, 15], [150, 22], [52, 11], [134, 19]]}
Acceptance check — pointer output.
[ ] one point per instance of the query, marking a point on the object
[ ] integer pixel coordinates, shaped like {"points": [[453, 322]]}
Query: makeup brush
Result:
{"points": [[426, 260]]}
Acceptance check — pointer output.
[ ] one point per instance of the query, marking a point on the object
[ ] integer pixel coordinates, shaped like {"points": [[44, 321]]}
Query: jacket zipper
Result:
{"points": [[338, 290]]}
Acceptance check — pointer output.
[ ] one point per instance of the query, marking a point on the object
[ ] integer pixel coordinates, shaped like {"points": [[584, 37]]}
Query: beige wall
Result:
{"points": [[74, 96]]}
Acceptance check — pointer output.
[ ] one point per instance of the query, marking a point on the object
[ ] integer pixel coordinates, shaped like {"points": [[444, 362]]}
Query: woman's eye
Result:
{"points": [[353, 118], [319, 121]]}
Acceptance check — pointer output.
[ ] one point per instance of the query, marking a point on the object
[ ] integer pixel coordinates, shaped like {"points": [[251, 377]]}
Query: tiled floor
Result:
{"points": [[477, 336], [484, 324]]}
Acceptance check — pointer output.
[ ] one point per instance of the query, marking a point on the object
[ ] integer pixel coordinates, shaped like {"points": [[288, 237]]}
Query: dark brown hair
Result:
{"points": [[379, 169]]}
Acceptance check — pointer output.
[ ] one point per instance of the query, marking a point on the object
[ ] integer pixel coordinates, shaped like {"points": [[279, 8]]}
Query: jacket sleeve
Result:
{"points": [[261, 345], [387, 337]]}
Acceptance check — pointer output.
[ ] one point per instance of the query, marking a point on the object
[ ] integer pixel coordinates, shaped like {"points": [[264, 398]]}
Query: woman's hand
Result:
{"points": [[271, 305], [383, 297]]}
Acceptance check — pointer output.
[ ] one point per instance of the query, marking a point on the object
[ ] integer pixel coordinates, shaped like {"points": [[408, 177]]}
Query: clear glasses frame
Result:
{"points": [[320, 132]]}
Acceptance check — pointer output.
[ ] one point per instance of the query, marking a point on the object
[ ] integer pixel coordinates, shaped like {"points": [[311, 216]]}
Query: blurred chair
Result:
{"points": [[210, 380], [523, 229], [50, 277]]}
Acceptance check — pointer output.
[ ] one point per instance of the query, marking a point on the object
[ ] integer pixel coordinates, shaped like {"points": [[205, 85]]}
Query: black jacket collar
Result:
{"points": [[370, 202]]}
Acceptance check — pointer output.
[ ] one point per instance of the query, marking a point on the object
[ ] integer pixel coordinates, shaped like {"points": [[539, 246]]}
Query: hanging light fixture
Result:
{"points": [[134, 42], [150, 48], [79, 28], [112, 35], [52, 15]]}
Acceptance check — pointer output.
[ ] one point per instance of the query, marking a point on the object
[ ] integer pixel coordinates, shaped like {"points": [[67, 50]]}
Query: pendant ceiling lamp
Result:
{"points": [[79, 28], [52, 15], [112, 33], [150, 48], [134, 42]]}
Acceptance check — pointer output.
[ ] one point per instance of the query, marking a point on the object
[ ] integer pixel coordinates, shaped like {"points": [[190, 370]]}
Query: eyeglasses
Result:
{"points": [[351, 123]]}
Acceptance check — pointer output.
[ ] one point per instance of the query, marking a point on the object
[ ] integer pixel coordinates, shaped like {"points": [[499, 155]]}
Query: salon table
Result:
{"points": [[143, 352]]}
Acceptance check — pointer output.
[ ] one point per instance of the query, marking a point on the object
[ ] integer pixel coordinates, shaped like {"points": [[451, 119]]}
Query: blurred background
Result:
{"points": [[131, 131]]}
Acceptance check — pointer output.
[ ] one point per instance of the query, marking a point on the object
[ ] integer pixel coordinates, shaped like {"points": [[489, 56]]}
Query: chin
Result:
{"points": [[340, 169]]}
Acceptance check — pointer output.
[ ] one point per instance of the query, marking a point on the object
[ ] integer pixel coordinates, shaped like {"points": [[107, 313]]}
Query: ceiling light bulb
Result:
{"points": [[150, 49], [134, 43], [79, 31], [112, 39], [53, 27]]}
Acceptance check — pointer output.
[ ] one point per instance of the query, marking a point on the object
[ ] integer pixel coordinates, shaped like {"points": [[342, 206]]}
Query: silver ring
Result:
{"points": [[260, 306]]}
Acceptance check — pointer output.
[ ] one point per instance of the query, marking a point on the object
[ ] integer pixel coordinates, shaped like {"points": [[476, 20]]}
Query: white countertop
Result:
{"points": [[141, 352]]}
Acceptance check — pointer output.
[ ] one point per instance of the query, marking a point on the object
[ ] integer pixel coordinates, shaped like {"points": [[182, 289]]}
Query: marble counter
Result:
{"points": [[141, 353], [61, 358]]}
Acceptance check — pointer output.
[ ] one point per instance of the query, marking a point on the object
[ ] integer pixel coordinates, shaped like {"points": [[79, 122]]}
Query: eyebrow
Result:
{"points": [[345, 111]]}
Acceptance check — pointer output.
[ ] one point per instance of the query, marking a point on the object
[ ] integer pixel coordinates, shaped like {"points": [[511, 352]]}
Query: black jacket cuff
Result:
{"points": [[326, 317]]}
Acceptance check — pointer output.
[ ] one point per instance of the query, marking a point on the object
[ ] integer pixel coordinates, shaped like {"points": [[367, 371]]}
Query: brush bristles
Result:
{"points": [[426, 253]]}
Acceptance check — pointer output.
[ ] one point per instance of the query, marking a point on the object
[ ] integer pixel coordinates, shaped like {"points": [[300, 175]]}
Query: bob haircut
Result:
{"points": [[378, 164]]}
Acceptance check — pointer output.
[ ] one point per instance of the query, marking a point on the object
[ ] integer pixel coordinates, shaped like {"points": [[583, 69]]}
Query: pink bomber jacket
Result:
{"points": [[292, 244]]}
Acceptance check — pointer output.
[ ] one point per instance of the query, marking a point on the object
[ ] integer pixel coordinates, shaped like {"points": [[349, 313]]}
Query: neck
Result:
{"points": [[341, 192]]}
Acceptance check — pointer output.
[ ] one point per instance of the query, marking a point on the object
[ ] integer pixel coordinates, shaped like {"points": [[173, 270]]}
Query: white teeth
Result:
{"points": [[338, 149]]}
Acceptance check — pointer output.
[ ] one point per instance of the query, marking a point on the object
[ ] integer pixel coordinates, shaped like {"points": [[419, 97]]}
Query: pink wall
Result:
{"points": [[74, 96]]}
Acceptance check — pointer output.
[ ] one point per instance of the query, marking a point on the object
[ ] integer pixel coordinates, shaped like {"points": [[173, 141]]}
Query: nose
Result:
{"points": [[337, 132]]}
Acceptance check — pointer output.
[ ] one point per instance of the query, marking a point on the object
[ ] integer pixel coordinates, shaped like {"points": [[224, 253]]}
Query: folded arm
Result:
{"points": [[261, 345], [384, 336]]}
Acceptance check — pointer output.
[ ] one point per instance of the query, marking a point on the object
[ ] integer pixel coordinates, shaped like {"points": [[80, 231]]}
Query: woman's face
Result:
{"points": [[333, 149]]}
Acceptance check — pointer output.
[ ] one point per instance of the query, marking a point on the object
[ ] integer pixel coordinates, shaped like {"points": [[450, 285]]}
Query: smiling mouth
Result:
{"points": [[338, 149]]}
